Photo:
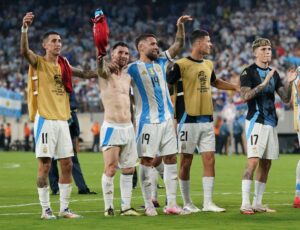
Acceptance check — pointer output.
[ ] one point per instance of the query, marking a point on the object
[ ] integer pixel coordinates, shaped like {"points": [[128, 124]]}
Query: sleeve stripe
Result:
{"points": [[168, 56]]}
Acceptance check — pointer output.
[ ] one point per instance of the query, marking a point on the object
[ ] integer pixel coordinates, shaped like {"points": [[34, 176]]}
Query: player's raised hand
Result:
{"points": [[269, 76], [113, 68], [28, 19], [292, 74], [183, 19]]}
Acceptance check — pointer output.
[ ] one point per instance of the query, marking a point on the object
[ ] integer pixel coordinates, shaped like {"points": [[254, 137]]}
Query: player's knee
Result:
{"points": [[45, 169], [209, 159], [185, 164], [128, 171], [252, 164], [110, 170], [147, 161], [265, 164], [66, 165], [44, 166], [157, 161], [170, 159]]}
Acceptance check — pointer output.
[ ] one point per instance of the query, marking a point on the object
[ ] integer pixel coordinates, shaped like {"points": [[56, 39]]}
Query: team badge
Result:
{"points": [[144, 73], [157, 69], [254, 149], [151, 71], [45, 149]]}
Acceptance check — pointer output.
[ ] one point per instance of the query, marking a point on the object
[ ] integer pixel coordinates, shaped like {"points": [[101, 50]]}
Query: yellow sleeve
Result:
{"points": [[31, 98]]}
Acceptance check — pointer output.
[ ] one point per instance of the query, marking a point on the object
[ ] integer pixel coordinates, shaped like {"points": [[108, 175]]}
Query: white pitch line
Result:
{"points": [[98, 211], [11, 165], [136, 197]]}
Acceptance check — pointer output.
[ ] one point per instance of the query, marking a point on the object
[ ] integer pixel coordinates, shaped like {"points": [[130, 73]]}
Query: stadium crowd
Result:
{"points": [[232, 24]]}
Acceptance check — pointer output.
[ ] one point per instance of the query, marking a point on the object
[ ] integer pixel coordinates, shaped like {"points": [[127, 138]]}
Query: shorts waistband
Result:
{"points": [[121, 125]]}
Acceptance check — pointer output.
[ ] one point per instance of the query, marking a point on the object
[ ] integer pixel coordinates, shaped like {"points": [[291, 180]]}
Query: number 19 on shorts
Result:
{"points": [[145, 138]]}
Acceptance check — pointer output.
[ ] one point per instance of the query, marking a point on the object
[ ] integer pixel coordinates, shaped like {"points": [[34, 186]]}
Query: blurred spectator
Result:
{"points": [[293, 60], [27, 133], [2, 137], [224, 137], [129, 18], [96, 133], [7, 136], [296, 147], [237, 135], [33, 139], [218, 124]]}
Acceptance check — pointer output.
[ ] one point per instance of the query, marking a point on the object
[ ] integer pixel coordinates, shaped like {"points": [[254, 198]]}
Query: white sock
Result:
{"points": [[64, 195], [170, 179], [185, 191], [154, 175], [246, 188], [145, 175], [160, 169], [208, 187], [44, 197], [298, 179], [126, 191], [259, 189], [108, 191]]}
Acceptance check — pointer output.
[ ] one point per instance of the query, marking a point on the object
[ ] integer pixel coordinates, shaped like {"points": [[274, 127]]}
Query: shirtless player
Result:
{"points": [[117, 137]]}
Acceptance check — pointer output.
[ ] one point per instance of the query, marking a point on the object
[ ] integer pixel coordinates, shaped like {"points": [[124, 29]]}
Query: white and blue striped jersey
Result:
{"points": [[152, 99], [297, 93]]}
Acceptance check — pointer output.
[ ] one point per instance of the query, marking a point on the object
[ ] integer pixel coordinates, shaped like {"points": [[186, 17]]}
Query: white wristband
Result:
{"points": [[24, 30]]}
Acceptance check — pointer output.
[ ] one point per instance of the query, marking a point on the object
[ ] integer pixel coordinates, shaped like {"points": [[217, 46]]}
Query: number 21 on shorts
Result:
{"points": [[183, 135]]}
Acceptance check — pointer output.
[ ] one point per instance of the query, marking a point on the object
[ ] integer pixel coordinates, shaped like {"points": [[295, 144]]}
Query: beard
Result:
{"points": [[152, 55], [122, 63]]}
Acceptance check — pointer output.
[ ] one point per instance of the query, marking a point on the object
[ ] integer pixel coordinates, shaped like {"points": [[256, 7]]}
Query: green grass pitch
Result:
{"points": [[20, 209]]}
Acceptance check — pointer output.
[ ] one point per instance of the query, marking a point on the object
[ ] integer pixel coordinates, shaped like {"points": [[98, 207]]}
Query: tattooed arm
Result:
{"points": [[247, 93], [285, 92], [86, 74], [221, 84], [102, 68], [106, 69], [180, 36]]}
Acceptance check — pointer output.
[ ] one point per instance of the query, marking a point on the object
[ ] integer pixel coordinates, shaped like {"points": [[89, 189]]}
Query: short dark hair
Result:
{"points": [[143, 37], [48, 33], [123, 44], [196, 34]]}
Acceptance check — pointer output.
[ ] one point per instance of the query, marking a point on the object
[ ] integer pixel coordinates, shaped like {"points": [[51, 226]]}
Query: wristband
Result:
{"points": [[24, 29]]}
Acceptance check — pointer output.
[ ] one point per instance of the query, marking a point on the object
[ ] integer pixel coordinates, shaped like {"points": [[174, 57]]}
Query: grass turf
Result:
{"points": [[20, 209]]}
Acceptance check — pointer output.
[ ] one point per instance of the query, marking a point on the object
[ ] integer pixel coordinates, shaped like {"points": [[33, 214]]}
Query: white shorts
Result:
{"points": [[198, 137], [156, 139], [262, 141], [52, 138], [121, 135]]}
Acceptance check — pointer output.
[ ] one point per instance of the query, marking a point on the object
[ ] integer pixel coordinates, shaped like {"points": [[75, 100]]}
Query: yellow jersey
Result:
{"points": [[52, 100]]}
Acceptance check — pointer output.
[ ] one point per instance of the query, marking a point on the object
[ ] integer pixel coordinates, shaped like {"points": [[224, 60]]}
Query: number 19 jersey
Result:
{"points": [[151, 94]]}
